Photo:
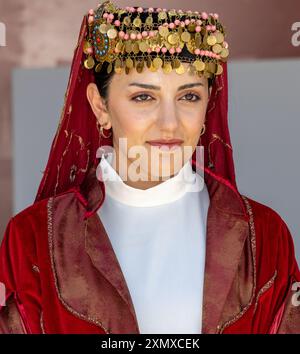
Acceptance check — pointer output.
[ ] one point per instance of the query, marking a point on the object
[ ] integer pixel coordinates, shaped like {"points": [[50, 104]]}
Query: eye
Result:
{"points": [[142, 98], [191, 97]]}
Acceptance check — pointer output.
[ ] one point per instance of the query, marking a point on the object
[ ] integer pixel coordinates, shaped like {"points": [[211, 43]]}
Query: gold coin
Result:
{"points": [[198, 40], [127, 21], [137, 22], [120, 46], [217, 48], [164, 31], [112, 33], [167, 67], [149, 20], [86, 46], [219, 69], [199, 65], [118, 63], [177, 63], [118, 70], [129, 63], [211, 40], [212, 67], [224, 53], [143, 46], [109, 68], [98, 67], [186, 36], [149, 62], [103, 28], [157, 62], [139, 66], [89, 63], [128, 47], [152, 67], [191, 47], [220, 37], [135, 47], [173, 38], [162, 15], [191, 69], [180, 70], [127, 70]]}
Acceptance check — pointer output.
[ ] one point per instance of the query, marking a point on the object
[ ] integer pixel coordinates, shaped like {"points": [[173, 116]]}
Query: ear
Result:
{"points": [[98, 105]]}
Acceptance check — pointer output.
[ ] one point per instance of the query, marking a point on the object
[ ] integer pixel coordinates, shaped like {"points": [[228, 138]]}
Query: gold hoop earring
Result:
{"points": [[102, 134], [203, 129]]}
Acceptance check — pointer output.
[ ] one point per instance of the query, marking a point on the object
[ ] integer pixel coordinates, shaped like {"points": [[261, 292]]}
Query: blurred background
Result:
{"points": [[37, 40]]}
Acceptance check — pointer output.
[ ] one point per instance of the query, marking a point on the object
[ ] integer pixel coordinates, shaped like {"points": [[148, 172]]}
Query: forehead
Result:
{"points": [[159, 78]]}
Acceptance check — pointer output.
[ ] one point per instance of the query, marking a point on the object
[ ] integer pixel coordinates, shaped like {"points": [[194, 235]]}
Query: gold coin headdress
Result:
{"points": [[136, 37]]}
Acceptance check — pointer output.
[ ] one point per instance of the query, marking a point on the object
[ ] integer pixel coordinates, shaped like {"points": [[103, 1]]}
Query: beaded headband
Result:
{"points": [[135, 37]]}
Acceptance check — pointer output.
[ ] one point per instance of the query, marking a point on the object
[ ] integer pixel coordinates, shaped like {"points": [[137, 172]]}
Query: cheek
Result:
{"points": [[192, 122]]}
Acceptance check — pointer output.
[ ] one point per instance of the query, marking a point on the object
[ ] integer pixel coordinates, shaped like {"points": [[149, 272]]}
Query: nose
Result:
{"points": [[167, 117]]}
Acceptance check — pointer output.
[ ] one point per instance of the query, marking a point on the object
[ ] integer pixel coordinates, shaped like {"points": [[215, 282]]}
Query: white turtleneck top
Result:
{"points": [[158, 236]]}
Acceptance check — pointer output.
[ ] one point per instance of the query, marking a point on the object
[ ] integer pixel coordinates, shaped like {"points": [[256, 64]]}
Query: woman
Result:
{"points": [[145, 237]]}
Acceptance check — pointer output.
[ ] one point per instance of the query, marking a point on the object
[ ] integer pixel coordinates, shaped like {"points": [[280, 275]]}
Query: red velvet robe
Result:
{"points": [[62, 276]]}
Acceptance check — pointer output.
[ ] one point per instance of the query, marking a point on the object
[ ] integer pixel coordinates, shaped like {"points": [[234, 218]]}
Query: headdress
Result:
{"points": [[77, 139], [136, 37]]}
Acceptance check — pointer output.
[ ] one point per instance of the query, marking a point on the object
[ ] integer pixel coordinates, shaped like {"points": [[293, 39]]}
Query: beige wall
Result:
{"points": [[43, 34]]}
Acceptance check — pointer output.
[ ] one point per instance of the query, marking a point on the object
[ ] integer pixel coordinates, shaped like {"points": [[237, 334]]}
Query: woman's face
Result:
{"points": [[147, 106]]}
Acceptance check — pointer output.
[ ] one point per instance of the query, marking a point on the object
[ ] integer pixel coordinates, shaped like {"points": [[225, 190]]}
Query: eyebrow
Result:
{"points": [[153, 87]]}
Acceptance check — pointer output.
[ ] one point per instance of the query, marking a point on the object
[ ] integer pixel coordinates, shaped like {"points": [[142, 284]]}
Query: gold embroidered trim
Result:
{"points": [[268, 284], [253, 248], [42, 323], [50, 243]]}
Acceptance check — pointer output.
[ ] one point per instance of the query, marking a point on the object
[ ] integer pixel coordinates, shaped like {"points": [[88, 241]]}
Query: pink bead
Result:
{"points": [[206, 52], [225, 45], [180, 11], [121, 34], [178, 50], [197, 12], [126, 37], [182, 24], [127, 8], [202, 52], [204, 15], [132, 36], [193, 20], [105, 15], [158, 9], [149, 50], [208, 27], [172, 50], [117, 23], [198, 29], [111, 16], [216, 16], [171, 25], [177, 22], [187, 22], [151, 34], [197, 51], [90, 50], [165, 10], [91, 12], [213, 28], [150, 10], [164, 50], [139, 36], [144, 34], [117, 50], [140, 10], [157, 49], [91, 19], [199, 22], [132, 9]]}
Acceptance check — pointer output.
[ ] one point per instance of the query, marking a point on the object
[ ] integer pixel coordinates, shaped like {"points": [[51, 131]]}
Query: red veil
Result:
{"points": [[77, 140]]}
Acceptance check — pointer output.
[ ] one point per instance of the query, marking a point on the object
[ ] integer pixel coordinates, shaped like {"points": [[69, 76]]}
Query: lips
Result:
{"points": [[166, 144]]}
